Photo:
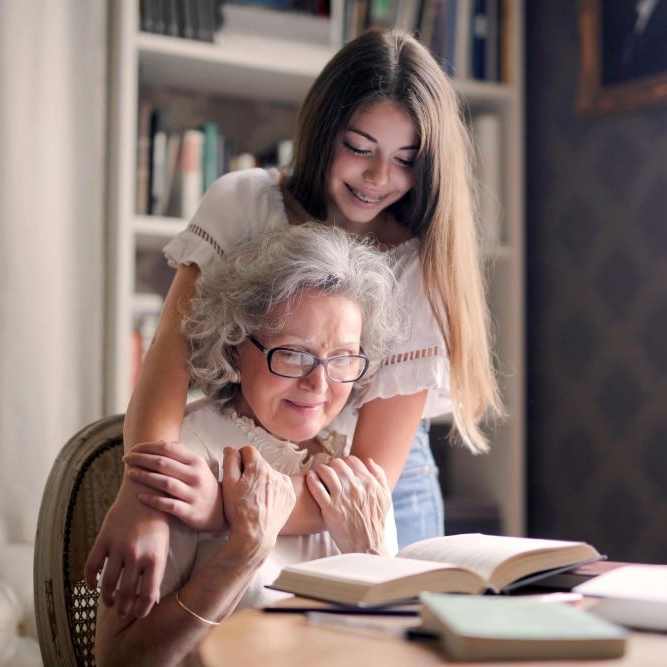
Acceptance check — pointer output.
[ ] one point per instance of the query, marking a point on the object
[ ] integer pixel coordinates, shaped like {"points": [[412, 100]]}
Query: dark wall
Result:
{"points": [[596, 224]]}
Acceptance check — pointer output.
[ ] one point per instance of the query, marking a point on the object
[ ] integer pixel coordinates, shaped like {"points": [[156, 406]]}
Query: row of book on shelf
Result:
{"points": [[467, 36], [176, 167], [190, 19]]}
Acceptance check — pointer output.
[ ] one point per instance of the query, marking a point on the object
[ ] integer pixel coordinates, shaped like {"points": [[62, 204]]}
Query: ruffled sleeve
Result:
{"points": [[238, 206]]}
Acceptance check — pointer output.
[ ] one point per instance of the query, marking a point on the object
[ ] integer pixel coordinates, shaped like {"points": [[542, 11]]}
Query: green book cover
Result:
{"points": [[474, 627], [210, 154]]}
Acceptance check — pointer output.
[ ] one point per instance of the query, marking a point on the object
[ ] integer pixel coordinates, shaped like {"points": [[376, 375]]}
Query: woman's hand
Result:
{"points": [[257, 501], [187, 489], [134, 541], [354, 500]]}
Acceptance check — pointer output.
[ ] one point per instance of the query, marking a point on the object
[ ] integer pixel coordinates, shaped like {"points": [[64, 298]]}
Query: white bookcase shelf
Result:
{"points": [[237, 65], [261, 69]]}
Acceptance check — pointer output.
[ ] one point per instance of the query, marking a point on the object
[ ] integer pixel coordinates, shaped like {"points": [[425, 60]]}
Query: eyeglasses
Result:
{"points": [[289, 363]]}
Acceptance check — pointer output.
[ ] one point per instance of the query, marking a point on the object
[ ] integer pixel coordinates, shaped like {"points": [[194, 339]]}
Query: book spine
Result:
{"points": [[210, 154], [172, 168], [493, 38], [158, 157], [487, 132], [480, 36], [171, 18], [143, 157], [187, 20], [192, 182], [462, 46]]}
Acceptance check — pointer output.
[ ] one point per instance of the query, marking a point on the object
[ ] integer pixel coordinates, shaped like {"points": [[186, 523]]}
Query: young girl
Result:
{"points": [[380, 150]]}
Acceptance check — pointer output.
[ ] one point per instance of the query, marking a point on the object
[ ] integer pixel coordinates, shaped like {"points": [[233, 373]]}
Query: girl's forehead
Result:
{"points": [[387, 120]]}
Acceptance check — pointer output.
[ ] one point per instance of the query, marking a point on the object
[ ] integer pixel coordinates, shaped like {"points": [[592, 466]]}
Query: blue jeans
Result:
{"points": [[418, 504]]}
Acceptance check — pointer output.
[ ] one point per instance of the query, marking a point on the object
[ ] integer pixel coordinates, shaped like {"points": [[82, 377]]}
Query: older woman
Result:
{"points": [[281, 333]]}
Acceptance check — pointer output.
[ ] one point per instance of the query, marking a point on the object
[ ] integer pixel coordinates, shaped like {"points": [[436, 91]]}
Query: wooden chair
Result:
{"points": [[81, 486]]}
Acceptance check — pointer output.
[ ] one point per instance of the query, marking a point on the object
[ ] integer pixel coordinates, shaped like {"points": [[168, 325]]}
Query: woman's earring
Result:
{"points": [[235, 377]]}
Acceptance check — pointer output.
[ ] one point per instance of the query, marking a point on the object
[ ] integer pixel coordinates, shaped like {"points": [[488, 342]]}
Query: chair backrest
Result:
{"points": [[81, 486]]}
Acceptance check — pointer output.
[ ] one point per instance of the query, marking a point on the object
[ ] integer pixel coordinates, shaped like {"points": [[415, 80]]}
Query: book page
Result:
{"points": [[479, 552], [366, 568]]}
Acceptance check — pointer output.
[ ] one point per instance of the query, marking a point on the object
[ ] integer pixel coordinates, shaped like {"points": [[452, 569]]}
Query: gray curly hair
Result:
{"points": [[233, 299]]}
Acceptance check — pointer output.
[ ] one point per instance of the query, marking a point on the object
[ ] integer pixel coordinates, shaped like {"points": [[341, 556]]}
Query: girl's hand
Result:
{"points": [[354, 500], [258, 500], [187, 489], [134, 542]]}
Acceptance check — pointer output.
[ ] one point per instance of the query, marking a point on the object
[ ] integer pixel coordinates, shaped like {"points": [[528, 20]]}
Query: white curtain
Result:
{"points": [[52, 133]]}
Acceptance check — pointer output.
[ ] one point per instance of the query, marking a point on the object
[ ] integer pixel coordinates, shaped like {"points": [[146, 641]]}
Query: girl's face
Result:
{"points": [[372, 165], [297, 409]]}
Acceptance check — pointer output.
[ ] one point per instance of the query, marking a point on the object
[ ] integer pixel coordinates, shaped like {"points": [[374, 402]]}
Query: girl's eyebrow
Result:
{"points": [[374, 140]]}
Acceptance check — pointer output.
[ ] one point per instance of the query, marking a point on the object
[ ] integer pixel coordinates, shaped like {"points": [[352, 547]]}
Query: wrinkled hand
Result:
{"points": [[186, 486], [354, 499], [135, 542], [257, 501]]}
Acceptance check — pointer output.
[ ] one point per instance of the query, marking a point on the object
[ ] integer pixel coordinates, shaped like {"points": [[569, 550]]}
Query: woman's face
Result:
{"points": [[373, 164], [297, 409]]}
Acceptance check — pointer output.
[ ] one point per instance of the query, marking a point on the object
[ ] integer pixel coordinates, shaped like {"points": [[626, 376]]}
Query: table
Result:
{"points": [[252, 638]]}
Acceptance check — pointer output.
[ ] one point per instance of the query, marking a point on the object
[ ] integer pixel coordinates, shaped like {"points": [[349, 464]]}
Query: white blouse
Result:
{"points": [[207, 431], [241, 204]]}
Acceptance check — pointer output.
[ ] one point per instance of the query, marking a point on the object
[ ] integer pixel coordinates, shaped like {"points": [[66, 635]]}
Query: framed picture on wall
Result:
{"points": [[623, 46]]}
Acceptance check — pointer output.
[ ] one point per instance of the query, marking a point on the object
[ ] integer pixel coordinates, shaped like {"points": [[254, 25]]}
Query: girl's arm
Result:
{"points": [[386, 429], [156, 409], [134, 539]]}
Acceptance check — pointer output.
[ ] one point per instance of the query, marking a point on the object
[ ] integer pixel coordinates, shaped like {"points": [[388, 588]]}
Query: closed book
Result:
{"points": [[632, 595], [463, 39], [492, 70], [172, 170], [480, 36], [210, 154], [143, 157], [489, 168], [511, 628], [192, 181], [158, 158], [467, 563]]}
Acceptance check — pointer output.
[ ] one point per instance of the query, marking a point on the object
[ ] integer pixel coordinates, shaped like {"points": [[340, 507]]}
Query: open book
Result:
{"points": [[469, 563]]}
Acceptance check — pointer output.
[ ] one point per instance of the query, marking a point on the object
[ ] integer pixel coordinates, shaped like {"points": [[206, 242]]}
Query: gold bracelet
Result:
{"points": [[192, 613]]}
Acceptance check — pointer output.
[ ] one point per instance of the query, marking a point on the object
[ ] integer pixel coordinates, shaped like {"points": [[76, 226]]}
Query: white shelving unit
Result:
{"points": [[259, 68]]}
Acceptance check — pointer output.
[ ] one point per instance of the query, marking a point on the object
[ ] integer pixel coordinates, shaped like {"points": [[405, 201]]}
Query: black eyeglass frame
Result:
{"points": [[316, 361]]}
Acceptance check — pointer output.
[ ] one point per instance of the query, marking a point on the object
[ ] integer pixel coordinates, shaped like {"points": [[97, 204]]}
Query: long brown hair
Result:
{"points": [[391, 65]]}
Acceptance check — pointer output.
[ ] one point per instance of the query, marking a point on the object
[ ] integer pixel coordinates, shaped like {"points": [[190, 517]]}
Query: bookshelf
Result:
{"points": [[255, 71]]}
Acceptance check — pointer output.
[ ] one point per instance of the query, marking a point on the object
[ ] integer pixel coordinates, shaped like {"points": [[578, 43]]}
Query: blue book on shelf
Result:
{"points": [[480, 36], [210, 154]]}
